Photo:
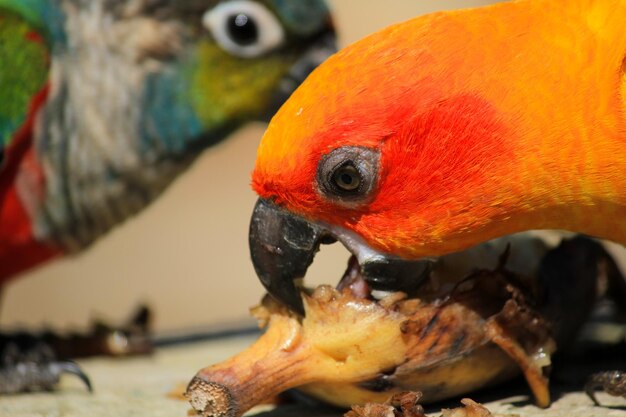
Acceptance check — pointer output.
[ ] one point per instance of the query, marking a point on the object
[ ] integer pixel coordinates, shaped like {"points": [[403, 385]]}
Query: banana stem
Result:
{"points": [[276, 362]]}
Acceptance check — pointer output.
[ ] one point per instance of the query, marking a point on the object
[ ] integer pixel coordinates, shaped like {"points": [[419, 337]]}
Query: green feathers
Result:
{"points": [[30, 10], [137, 90], [23, 72]]}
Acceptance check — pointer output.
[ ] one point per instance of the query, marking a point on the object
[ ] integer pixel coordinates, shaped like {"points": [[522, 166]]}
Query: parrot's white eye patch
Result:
{"points": [[348, 175], [244, 28]]}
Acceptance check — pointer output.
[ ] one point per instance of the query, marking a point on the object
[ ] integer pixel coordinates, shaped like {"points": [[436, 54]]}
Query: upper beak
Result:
{"points": [[282, 246]]}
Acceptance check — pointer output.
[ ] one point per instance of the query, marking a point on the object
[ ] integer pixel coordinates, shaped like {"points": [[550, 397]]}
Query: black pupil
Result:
{"points": [[347, 178], [242, 29]]}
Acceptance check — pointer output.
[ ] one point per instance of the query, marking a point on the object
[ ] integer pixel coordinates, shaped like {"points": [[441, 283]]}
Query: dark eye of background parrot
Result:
{"points": [[348, 174], [244, 28]]}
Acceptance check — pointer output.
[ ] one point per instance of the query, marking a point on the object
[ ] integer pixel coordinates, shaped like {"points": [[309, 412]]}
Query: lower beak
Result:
{"points": [[282, 246]]}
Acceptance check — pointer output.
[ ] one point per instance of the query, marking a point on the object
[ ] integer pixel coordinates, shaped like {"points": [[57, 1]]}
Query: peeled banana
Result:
{"points": [[456, 336]]}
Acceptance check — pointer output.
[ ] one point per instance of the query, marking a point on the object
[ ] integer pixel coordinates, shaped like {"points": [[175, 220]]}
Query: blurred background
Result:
{"points": [[186, 256]]}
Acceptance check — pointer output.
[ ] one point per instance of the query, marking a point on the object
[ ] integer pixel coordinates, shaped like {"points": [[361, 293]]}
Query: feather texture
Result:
{"points": [[489, 121], [24, 70], [135, 91]]}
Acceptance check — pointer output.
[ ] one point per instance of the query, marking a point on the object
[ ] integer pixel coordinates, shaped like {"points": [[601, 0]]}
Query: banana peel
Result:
{"points": [[406, 404], [449, 340]]}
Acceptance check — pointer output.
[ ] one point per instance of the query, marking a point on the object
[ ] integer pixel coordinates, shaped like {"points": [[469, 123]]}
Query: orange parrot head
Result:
{"points": [[423, 139]]}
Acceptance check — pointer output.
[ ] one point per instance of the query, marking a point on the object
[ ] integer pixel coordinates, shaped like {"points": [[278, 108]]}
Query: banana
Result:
{"points": [[406, 404], [452, 338]]}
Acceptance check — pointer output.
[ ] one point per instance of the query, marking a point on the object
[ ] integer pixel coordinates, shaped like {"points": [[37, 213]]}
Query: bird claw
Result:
{"points": [[611, 382], [27, 366]]}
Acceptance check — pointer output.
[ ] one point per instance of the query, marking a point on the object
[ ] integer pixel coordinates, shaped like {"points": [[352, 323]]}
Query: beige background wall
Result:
{"points": [[187, 254]]}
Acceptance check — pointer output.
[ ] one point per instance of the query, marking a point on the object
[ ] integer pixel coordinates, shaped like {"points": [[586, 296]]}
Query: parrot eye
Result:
{"points": [[347, 177], [348, 174], [244, 28]]}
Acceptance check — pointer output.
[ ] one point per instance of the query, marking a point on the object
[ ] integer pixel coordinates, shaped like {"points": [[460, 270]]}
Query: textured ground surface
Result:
{"points": [[139, 388]]}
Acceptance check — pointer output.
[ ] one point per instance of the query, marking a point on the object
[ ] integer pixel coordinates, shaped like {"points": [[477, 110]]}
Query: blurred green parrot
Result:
{"points": [[104, 102]]}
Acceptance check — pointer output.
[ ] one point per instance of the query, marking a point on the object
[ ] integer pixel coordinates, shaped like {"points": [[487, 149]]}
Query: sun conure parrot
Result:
{"points": [[104, 102], [445, 131]]}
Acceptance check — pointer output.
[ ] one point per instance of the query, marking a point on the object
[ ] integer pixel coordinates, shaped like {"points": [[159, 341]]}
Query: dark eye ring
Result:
{"points": [[348, 175]]}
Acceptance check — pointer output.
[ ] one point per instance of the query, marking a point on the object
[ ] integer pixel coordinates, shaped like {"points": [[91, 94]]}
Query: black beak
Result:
{"points": [[282, 246]]}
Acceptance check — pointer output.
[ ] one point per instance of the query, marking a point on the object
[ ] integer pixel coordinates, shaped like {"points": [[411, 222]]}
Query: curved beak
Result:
{"points": [[283, 245]]}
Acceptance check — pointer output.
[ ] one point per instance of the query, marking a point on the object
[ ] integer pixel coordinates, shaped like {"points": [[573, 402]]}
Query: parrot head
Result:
{"points": [[430, 137], [138, 88]]}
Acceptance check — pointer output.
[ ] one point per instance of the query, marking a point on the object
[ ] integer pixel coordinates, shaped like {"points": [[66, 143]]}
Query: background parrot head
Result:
{"points": [[438, 134], [135, 90]]}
